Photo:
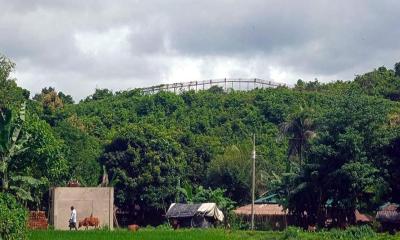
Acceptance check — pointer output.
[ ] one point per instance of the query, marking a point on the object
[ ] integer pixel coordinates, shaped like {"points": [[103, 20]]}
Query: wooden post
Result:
{"points": [[253, 181]]}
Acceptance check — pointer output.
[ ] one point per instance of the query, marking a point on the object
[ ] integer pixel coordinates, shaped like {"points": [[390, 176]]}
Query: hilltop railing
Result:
{"points": [[226, 83]]}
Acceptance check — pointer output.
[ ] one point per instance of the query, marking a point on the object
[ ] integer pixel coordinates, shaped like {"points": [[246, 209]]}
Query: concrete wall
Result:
{"points": [[97, 201]]}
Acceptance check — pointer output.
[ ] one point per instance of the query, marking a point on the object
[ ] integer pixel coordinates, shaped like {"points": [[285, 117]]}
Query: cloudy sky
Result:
{"points": [[77, 46]]}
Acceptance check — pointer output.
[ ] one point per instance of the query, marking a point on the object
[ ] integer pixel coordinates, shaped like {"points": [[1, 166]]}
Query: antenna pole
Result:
{"points": [[253, 181]]}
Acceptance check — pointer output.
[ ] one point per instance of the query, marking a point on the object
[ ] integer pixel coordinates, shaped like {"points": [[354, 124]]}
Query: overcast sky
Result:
{"points": [[76, 46]]}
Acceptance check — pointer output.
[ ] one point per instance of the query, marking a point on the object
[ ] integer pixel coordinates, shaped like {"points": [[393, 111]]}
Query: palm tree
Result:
{"points": [[299, 128]]}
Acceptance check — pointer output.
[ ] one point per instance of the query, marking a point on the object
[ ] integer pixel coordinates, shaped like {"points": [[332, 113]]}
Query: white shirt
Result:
{"points": [[73, 216]]}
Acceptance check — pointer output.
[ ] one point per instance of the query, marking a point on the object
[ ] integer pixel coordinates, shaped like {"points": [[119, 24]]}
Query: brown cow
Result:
{"points": [[133, 227], [312, 228], [89, 222]]}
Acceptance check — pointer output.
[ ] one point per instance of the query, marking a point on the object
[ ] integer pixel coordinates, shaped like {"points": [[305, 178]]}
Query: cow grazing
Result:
{"points": [[89, 222], [133, 227], [312, 228]]}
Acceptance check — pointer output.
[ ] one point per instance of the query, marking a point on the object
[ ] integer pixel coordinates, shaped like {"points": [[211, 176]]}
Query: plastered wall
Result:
{"points": [[86, 200]]}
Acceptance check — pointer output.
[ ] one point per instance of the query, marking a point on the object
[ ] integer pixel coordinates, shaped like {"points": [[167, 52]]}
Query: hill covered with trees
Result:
{"points": [[316, 143]]}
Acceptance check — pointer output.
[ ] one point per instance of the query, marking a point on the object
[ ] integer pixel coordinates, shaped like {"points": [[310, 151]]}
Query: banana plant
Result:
{"points": [[12, 141]]}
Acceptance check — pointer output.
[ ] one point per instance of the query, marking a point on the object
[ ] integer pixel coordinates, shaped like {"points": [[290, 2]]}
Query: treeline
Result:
{"points": [[317, 144]]}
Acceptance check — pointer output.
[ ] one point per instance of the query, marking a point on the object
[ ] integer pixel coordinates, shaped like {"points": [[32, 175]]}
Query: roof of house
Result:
{"points": [[270, 199], [389, 212], [181, 210], [389, 207], [363, 218], [262, 210]]}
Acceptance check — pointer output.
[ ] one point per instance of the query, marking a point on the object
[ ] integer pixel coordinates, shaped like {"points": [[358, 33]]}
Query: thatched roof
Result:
{"points": [[262, 210]]}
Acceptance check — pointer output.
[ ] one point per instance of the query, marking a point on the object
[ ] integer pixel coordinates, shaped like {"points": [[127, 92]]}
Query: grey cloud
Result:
{"points": [[321, 39]]}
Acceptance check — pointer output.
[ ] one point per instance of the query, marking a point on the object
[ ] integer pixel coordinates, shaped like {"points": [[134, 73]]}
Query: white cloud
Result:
{"points": [[104, 44]]}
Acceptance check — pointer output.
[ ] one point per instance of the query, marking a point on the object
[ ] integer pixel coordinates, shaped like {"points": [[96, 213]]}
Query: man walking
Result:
{"points": [[72, 219]]}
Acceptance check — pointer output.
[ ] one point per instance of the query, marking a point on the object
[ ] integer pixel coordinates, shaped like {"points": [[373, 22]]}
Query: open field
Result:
{"points": [[152, 234]]}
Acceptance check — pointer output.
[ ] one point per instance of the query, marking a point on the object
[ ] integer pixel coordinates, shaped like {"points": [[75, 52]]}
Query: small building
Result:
{"points": [[203, 215], [266, 216], [389, 216], [96, 201]]}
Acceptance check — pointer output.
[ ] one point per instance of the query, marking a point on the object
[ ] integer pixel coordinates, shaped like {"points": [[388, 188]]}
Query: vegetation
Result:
{"points": [[217, 234], [13, 219], [319, 146]]}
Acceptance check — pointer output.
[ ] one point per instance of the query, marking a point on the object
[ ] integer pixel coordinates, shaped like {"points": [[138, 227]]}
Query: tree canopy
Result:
{"points": [[319, 145]]}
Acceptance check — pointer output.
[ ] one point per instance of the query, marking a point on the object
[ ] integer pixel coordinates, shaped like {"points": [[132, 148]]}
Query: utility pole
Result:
{"points": [[253, 181]]}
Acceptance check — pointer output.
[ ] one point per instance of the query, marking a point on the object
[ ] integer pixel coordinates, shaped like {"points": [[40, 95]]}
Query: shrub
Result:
{"points": [[13, 219], [356, 233], [291, 233], [236, 222]]}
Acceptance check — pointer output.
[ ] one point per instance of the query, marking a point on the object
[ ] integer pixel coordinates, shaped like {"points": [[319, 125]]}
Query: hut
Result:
{"points": [[389, 216], [203, 215], [267, 216]]}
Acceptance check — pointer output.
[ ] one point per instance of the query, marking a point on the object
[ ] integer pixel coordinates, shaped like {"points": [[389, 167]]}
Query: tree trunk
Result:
{"points": [[4, 181], [300, 155]]}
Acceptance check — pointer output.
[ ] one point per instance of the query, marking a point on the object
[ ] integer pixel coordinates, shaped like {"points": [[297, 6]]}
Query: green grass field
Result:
{"points": [[155, 234]]}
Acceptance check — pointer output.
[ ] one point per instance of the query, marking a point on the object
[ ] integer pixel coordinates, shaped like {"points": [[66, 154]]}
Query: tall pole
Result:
{"points": [[253, 182]]}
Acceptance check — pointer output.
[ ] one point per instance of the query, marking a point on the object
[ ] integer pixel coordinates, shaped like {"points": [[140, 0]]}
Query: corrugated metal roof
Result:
{"points": [[270, 199]]}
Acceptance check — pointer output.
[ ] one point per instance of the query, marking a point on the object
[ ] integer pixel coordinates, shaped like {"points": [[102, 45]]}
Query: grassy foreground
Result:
{"points": [[217, 234]]}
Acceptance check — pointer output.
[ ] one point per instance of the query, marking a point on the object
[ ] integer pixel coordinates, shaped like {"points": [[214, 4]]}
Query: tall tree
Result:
{"points": [[342, 171], [299, 129], [145, 165], [11, 96], [231, 171]]}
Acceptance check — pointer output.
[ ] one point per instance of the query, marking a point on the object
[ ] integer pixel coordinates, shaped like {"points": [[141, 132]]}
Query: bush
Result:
{"points": [[236, 222], [363, 232], [13, 219], [291, 233]]}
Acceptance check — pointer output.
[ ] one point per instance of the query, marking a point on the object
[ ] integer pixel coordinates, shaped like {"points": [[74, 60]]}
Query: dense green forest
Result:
{"points": [[316, 143]]}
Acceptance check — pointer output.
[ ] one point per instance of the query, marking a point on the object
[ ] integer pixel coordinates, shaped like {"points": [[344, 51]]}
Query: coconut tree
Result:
{"points": [[299, 129]]}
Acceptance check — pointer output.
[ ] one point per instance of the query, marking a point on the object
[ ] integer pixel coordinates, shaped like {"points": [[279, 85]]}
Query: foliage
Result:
{"points": [[144, 164], [353, 233], [81, 152], [380, 82], [231, 170], [13, 218], [12, 142], [99, 94], [203, 195], [195, 234], [344, 134], [26, 188], [10, 94], [291, 233], [299, 129], [343, 160], [45, 156]]}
